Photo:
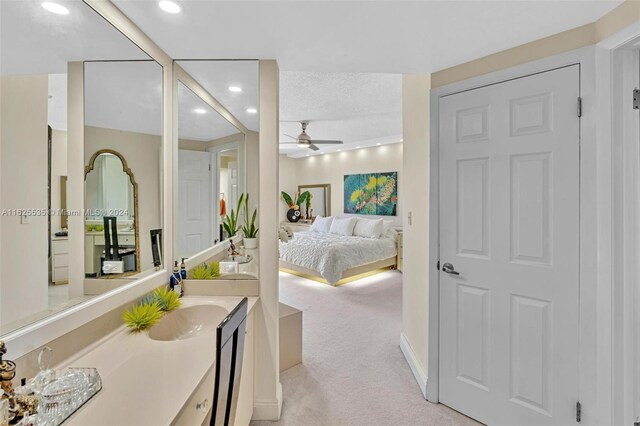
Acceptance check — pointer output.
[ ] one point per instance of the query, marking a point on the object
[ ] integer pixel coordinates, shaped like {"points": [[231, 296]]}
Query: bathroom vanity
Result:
{"points": [[165, 375]]}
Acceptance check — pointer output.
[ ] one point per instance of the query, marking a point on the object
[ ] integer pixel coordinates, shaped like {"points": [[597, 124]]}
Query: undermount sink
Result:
{"points": [[188, 322]]}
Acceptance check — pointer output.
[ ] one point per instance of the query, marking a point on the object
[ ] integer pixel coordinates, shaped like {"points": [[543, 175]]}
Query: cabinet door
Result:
{"points": [[244, 410]]}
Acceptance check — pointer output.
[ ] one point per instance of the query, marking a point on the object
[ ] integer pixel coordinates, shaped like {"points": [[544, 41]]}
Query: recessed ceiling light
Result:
{"points": [[56, 8], [236, 89], [339, 150], [357, 147], [170, 6], [252, 110], [200, 111], [307, 155], [378, 144]]}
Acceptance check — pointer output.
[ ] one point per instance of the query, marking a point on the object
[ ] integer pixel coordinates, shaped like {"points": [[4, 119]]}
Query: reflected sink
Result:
{"points": [[188, 322]]}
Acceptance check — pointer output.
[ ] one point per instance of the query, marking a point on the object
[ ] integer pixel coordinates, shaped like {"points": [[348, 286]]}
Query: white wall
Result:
{"points": [[23, 166], [331, 168], [415, 290], [142, 153]]}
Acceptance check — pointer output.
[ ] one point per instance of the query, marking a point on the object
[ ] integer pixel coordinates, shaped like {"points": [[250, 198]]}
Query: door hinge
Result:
{"points": [[209, 166], [438, 265], [579, 107], [578, 411], [636, 98]]}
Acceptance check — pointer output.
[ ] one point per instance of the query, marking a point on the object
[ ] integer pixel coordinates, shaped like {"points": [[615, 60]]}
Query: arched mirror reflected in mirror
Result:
{"points": [[112, 246]]}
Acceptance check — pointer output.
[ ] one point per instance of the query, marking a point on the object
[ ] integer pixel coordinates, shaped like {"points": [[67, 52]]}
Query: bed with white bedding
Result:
{"points": [[333, 257]]}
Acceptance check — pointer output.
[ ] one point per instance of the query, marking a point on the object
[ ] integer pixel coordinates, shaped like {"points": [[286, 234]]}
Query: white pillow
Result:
{"points": [[368, 228], [322, 224], [343, 226], [386, 225]]}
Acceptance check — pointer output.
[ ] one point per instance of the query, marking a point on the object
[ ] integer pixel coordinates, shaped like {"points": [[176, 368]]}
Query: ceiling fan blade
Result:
{"points": [[313, 147], [289, 136], [320, 142]]}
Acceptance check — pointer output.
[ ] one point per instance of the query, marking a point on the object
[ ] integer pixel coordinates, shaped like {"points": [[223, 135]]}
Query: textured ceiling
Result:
{"points": [[359, 109]]}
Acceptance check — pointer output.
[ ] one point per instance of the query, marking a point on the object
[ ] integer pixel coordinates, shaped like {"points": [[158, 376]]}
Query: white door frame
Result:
{"points": [[215, 151], [595, 234], [620, 55]]}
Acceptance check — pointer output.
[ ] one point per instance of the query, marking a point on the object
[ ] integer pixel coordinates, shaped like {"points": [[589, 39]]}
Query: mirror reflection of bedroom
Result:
{"points": [[340, 243]]}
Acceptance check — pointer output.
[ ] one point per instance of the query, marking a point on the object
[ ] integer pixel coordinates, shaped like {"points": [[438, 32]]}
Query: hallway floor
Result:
{"points": [[353, 371]]}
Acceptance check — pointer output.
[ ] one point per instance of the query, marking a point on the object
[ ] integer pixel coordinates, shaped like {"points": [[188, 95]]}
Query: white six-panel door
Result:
{"points": [[509, 215], [195, 211]]}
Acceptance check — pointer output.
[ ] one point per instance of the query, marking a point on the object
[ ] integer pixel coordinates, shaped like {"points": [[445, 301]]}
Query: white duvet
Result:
{"points": [[330, 255]]}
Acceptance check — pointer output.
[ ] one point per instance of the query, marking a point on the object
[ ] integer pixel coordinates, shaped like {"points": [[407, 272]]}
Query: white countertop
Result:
{"points": [[147, 382]]}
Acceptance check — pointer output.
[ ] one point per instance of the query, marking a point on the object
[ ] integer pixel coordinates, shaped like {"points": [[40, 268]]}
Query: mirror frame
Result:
{"points": [[125, 168], [180, 75], [327, 187]]}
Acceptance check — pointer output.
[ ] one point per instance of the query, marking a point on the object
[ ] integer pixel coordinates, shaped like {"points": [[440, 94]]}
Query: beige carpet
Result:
{"points": [[353, 371]]}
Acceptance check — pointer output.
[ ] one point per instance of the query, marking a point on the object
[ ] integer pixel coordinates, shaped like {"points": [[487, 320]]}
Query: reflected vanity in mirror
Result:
{"points": [[42, 56], [319, 204]]}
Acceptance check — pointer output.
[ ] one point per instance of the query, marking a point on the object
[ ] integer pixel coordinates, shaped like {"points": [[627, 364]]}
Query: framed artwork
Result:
{"points": [[371, 193]]}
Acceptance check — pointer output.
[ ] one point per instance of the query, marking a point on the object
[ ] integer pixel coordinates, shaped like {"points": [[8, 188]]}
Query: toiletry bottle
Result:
{"points": [[183, 270], [178, 280], [174, 281]]}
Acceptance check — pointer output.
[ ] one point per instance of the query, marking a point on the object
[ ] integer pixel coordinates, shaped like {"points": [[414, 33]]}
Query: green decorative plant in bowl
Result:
{"points": [[167, 299], [294, 204], [249, 229], [205, 271], [142, 316]]}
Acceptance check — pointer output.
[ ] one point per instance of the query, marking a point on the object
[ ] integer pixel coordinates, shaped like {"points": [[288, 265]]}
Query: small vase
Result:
{"points": [[293, 215], [250, 243]]}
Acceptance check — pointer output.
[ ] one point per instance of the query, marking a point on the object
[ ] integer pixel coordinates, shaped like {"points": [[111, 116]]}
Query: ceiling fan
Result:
{"points": [[304, 140]]}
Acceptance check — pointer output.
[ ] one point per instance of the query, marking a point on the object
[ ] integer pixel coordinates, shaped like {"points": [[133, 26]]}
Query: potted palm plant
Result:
{"points": [[231, 222], [249, 228], [294, 204]]}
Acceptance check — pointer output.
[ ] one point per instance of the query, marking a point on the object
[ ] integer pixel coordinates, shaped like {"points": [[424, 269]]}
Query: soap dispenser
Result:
{"points": [[183, 269], [176, 280]]}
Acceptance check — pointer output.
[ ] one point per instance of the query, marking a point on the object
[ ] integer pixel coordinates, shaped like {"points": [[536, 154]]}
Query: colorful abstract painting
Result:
{"points": [[371, 193]]}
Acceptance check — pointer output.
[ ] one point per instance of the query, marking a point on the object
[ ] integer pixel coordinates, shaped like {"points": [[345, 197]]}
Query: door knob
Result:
{"points": [[449, 269]]}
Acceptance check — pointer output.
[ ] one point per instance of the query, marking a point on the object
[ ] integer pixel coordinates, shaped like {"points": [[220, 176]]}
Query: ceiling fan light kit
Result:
{"points": [[304, 140]]}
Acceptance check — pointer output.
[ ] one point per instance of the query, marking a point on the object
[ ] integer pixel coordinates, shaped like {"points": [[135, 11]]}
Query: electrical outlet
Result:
{"points": [[410, 218], [113, 267]]}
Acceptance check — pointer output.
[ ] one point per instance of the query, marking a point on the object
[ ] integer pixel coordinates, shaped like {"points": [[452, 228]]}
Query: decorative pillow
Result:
{"points": [[368, 228], [386, 226], [343, 226], [322, 224]]}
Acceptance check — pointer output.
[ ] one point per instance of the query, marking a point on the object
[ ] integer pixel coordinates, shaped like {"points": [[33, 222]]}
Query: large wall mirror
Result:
{"points": [[123, 175], [319, 204], [36, 47], [217, 157]]}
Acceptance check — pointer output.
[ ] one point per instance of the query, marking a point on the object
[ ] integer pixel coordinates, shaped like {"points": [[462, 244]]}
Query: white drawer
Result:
{"points": [[60, 246], [123, 240], [60, 274], [60, 260], [198, 407]]}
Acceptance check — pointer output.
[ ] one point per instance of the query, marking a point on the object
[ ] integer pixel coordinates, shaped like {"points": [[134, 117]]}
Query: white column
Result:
{"points": [[415, 224], [268, 391]]}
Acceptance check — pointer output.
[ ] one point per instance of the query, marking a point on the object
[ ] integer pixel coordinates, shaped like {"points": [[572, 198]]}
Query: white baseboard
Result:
{"points": [[268, 409], [415, 366]]}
